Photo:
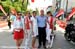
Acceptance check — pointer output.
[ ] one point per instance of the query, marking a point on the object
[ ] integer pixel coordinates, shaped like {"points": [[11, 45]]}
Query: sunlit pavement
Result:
{"points": [[59, 29], [6, 29], [6, 39]]}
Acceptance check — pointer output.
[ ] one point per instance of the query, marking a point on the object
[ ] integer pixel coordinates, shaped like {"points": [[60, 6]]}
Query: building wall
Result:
{"points": [[54, 5], [63, 4], [71, 3]]}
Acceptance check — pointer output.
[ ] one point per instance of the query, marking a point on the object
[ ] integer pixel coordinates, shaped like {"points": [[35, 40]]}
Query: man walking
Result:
{"points": [[41, 21]]}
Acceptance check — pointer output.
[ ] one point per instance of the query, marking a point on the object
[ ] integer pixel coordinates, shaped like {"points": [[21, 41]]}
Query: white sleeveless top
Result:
{"points": [[34, 20]]}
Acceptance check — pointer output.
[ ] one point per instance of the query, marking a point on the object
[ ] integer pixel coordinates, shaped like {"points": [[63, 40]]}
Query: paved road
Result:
{"points": [[6, 39], [3, 24], [61, 43]]}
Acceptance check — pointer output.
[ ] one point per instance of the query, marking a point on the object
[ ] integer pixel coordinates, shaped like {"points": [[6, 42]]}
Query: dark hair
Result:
{"points": [[49, 12], [34, 12], [19, 13]]}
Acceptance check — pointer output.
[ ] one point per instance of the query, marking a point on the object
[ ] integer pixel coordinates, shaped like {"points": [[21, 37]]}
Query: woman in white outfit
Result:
{"points": [[49, 28], [34, 29]]}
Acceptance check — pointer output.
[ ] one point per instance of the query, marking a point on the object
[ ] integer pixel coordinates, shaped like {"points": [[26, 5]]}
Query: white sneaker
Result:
{"points": [[27, 48], [47, 46]]}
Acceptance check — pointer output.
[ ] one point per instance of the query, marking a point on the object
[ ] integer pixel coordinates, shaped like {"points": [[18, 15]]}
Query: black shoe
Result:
{"points": [[39, 46], [44, 47]]}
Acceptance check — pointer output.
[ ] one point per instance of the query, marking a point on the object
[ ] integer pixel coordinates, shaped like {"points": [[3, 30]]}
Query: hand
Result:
{"points": [[16, 30], [32, 33], [26, 34]]}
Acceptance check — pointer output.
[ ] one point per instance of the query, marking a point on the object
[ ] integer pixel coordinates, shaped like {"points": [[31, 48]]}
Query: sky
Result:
{"points": [[40, 4]]}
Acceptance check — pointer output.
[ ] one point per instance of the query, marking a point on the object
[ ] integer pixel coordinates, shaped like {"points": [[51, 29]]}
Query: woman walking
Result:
{"points": [[9, 22], [34, 28], [27, 24], [18, 31], [12, 18]]}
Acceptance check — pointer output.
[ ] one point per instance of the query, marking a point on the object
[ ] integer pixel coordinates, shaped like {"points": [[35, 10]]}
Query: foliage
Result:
{"points": [[19, 5], [37, 11]]}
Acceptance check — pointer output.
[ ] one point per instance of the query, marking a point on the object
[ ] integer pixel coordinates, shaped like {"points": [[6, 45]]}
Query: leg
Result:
{"points": [[44, 37], [39, 37], [28, 40], [33, 42], [48, 37], [52, 41], [17, 44], [20, 41], [9, 24], [44, 40]]}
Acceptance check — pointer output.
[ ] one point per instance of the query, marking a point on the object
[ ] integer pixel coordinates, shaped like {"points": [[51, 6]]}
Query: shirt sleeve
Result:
{"points": [[31, 19], [24, 20], [14, 24], [23, 23], [12, 17], [46, 17], [37, 18]]}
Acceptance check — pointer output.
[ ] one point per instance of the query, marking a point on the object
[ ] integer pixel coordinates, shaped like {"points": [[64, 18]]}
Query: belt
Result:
{"points": [[16, 29]]}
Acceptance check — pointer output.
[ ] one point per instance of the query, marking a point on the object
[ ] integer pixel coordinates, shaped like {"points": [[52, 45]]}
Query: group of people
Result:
{"points": [[30, 27]]}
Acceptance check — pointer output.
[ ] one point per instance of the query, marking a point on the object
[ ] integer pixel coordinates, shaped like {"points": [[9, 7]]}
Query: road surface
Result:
{"points": [[6, 39]]}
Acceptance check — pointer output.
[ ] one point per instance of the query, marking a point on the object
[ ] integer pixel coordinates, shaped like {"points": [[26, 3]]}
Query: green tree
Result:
{"points": [[19, 5]]}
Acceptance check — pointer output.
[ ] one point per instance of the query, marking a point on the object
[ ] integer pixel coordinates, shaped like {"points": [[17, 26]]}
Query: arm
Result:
{"points": [[47, 21], [23, 23], [14, 25], [1, 8], [31, 24]]}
